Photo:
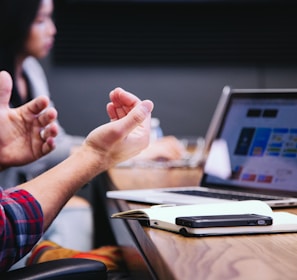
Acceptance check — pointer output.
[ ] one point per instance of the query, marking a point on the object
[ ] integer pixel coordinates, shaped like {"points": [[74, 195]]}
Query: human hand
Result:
{"points": [[27, 132], [128, 132], [164, 149]]}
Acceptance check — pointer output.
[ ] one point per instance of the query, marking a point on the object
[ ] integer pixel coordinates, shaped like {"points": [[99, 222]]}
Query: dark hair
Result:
{"points": [[16, 17]]}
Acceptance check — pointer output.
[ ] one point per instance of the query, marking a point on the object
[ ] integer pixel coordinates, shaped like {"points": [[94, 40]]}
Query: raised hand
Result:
{"points": [[128, 133], [27, 132]]}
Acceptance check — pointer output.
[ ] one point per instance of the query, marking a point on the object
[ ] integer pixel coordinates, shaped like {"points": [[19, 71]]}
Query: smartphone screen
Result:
{"points": [[224, 221]]}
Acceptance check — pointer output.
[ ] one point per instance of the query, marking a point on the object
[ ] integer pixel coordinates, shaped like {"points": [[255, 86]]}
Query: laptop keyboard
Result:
{"points": [[232, 196]]}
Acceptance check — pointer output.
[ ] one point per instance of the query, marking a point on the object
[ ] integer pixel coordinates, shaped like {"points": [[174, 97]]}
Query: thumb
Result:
{"points": [[139, 115], [5, 88]]}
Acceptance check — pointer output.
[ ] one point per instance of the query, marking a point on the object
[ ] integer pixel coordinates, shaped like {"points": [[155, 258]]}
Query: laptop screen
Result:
{"points": [[260, 130]]}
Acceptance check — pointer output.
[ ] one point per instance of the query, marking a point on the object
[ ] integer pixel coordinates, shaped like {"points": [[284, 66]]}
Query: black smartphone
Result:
{"points": [[224, 221]]}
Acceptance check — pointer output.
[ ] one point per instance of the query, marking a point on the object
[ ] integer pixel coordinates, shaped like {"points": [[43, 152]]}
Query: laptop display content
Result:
{"points": [[259, 129]]}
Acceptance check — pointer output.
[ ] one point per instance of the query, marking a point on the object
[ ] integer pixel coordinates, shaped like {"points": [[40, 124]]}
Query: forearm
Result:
{"points": [[105, 146], [55, 187]]}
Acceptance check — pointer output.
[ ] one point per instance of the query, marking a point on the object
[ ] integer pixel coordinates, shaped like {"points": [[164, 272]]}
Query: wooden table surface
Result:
{"points": [[172, 256]]}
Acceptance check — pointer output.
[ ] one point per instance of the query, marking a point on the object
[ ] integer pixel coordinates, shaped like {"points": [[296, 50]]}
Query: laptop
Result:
{"points": [[250, 151]]}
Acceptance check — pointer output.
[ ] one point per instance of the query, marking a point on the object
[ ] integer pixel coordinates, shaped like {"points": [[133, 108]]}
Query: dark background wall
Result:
{"points": [[180, 54]]}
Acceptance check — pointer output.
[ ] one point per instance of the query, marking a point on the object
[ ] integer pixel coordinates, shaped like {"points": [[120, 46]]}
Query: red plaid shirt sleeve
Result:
{"points": [[21, 225]]}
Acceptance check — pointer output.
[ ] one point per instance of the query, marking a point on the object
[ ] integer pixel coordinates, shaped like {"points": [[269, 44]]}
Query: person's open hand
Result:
{"points": [[127, 134], [27, 132]]}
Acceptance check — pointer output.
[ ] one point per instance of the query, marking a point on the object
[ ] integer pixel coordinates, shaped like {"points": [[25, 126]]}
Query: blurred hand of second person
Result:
{"points": [[165, 148]]}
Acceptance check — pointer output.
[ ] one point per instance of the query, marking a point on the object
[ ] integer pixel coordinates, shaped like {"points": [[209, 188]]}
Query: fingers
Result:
{"points": [[5, 88], [111, 111], [48, 145], [48, 135], [50, 131], [131, 113], [121, 103], [47, 117], [37, 105], [122, 97]]}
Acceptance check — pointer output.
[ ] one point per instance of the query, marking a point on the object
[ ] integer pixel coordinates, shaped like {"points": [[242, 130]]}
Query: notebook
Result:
{"points": [[164, 218], [251, 153]]}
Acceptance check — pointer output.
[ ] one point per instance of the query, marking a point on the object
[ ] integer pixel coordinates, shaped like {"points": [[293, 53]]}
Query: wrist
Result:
{"points": [[90, 161]]}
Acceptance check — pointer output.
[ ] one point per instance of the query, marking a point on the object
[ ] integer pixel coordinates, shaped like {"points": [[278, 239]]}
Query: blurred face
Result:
{"points": [[42, 32]]}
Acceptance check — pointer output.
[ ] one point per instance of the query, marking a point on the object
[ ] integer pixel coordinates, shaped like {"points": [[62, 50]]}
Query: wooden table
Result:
{"points": [[165, 255]]}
